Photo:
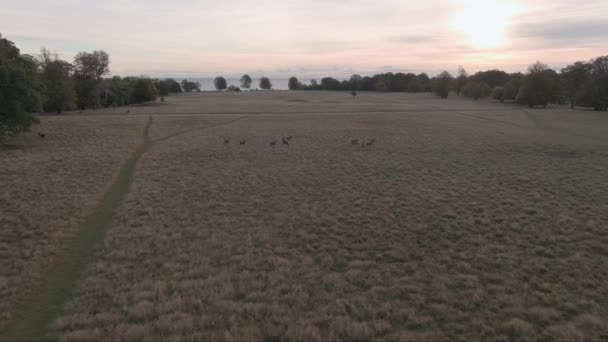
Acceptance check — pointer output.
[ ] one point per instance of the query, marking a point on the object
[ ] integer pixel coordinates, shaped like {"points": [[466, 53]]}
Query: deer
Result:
{"points": [[226, 141], [128, 111], [289, 138], [285, 142], [243, 142], [354, 142], [273, 143], [41, 135], [371, 142], [354, 94]]}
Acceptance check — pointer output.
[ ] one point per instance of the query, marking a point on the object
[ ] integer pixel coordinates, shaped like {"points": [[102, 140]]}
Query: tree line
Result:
{"points": [[221, 84], [46, 83], [582, 84]]}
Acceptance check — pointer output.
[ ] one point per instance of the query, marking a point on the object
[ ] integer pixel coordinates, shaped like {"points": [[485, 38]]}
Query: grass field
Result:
{"points": [[465, 220]]}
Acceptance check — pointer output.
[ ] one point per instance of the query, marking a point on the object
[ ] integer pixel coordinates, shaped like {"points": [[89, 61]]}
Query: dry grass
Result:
{"points": [[466, 220], [48, 188]]}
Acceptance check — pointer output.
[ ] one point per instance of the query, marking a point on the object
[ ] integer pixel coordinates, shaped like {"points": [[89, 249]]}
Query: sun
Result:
{"points": [[484, 21]]}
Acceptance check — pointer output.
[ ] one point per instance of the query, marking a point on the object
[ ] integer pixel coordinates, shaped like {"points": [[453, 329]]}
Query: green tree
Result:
{"points": [[58, 83], [220, 83], [89, 68], [246, 82], [476, 90], [143, 90], [21, 90], [537, 87], [511, 89], [265, 83], [574, 76], [294, 84], [461, 80], [498, 93], [442, 84]]}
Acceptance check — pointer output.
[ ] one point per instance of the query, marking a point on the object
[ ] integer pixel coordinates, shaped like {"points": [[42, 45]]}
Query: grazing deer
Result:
{"points": [[354, 142], [371, 142], [243, 142], [41, 135], [285, 142], [226, 141], [273, 143]]}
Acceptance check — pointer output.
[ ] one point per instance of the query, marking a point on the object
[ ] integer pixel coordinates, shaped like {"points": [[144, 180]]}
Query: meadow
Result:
{"points": [[464, 220]]}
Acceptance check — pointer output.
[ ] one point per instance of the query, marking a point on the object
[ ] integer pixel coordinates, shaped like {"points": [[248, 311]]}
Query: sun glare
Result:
{"points": [[484, 21]]}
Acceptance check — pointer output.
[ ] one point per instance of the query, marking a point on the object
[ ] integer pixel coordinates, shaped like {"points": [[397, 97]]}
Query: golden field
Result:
{"points": [[465, 220]]}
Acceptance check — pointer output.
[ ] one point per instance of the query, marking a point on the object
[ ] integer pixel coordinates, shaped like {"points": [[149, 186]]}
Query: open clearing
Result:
{"points": [[465, 220]]}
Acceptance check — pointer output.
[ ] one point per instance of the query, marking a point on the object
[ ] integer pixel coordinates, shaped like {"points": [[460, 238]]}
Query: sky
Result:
{"points": [[311, 38]]}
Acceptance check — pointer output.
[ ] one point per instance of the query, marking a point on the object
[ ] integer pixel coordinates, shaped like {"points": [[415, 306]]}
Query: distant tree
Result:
{"points": [[314, 85], [330, 83], [461, 80], [511, 89], [355, 82], [220, 83], [58, 83], [294, 84], [594, 91], [537, 87], [574, 76], [476, 90], [21, 90], [89, 68], [143, 90], [265, 83], [498, 93], [246, 82], [425, 82], [442, 84], [175, 86], [493, 78]]}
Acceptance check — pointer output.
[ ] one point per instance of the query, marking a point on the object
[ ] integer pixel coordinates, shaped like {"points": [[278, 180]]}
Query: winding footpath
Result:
{"points": [[32, 320]]}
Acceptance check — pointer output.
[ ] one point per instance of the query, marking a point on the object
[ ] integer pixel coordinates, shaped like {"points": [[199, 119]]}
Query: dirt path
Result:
{"points": [[62, 277]]}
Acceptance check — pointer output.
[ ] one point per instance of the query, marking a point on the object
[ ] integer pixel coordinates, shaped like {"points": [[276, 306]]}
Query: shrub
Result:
{"points": [[442, 84], [498, 93], [476, 90]]}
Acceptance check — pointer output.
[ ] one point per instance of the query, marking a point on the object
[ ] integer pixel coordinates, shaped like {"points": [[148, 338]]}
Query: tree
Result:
{"points": [[493, 78], [58, 83], [442, 84], [355, 82], [537, 87], [511, 89], [574, 76], [599, 77], [330, 83], [314, 85], [220, 83], [143, 91], [21, 90], [498, 93], [89, 68], [461, 80], [246, 82], [265, 83], [294, 84], [476, 90]]}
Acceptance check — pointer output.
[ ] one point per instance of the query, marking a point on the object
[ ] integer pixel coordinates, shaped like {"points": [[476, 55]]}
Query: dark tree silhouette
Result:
{"points": [[246, 82], [265, 83], [220, 83]]}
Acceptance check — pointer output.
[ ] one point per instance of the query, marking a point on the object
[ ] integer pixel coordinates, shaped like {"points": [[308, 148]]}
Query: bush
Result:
{"points": [[442, 84], [476, 90], [511, 89], [498, 93], [143, 91]]}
